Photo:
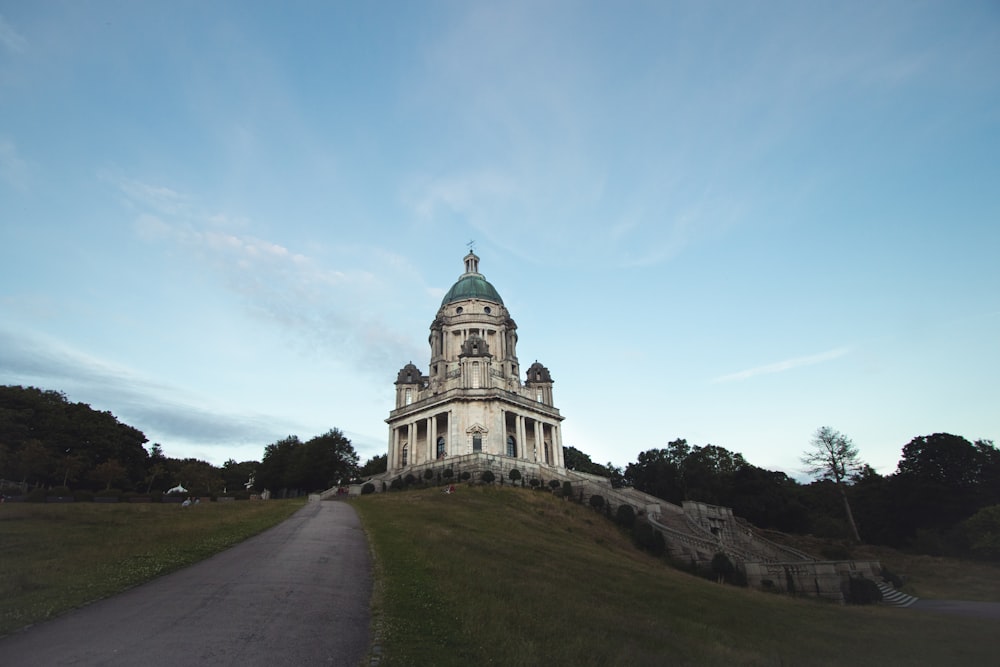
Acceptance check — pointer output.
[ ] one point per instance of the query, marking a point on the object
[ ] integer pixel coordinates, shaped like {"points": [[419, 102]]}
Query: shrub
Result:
{"points": [[597, 502], [36, 496], [554, 484], [534, 483], [514, 474], [367, 488], [409, 479], [890, 578], [648, 538], [396, 485], [982, 533], [625, 516], [466, 475], [488, 477], [428, 474], [448, 473], [567, 489], [60, 491], [83, 496], [862, 591]]}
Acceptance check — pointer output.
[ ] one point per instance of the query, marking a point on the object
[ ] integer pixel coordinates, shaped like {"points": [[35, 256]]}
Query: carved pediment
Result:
{"points": [[477, 428]]}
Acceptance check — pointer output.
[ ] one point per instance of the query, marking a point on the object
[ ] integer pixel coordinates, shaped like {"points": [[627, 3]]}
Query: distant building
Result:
{"points": [[472, 399]]}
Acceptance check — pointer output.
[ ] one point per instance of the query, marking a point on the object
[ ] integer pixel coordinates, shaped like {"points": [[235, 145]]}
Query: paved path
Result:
{"points": [[297, 594], [960, 607]]}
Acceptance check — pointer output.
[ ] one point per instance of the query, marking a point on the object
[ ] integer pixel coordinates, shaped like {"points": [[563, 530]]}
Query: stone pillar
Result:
{"points": [[502, 432], [390, 463], [539, 442], [520, 437], [557, 451], [432, 435], [411, 443]]}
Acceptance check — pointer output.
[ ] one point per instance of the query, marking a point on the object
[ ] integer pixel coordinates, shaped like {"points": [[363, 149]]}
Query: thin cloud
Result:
{"points": [[160, 410], [10, 38], [13, 169], [782, 366], [322, 307]]}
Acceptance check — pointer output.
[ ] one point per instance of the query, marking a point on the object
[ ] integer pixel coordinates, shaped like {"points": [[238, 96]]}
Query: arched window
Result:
{"points": [[409, 396], [477, 442], [404, 456], [440, 447], [511, 446]]}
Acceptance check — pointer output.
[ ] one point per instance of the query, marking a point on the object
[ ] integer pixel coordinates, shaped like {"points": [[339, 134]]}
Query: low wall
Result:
{"points": [[823, 579]]}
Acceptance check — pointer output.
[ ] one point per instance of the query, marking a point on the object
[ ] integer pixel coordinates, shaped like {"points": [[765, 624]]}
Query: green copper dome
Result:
{"points": [[472, 286]]}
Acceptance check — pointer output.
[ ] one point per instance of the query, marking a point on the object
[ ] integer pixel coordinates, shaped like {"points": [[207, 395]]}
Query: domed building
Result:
{"points": [[472, 400]]}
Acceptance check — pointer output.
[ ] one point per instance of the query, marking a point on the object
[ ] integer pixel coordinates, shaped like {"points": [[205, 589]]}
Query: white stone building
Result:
{"points": [[472, 399]]}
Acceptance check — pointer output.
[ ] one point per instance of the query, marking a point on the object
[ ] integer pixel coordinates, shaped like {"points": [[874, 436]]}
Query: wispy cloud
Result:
{"points": [[10, 38], [323, 306], [786, 365], [14, 169], [159, 410]]}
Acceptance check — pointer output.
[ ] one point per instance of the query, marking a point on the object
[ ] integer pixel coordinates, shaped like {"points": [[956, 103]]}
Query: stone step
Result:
{"points": [[894, 598]]}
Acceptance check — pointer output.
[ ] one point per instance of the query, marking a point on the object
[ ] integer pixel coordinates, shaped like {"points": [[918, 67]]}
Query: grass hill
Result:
{"points": [[507, 576]]}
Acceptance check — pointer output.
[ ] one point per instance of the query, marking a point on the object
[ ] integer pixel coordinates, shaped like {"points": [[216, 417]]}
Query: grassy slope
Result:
{"points": [[57, 557], [512, 577]]}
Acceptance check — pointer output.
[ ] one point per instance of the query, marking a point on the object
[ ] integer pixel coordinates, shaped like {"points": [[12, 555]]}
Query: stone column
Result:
{"points": [[539, 441], [521, 444], [390, 463], [411, 443], [557, 451], [502, 433], [432, 436]]}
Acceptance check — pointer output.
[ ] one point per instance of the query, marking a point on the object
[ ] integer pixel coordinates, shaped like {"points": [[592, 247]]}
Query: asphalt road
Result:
{"points": [[297, 594]]}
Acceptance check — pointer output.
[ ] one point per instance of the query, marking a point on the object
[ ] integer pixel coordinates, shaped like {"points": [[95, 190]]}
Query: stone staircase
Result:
{"points": [[893, 598]]}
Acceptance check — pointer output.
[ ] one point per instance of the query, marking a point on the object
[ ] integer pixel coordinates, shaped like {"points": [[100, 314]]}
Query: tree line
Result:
{"points": [[943, 498], [48, 442]]}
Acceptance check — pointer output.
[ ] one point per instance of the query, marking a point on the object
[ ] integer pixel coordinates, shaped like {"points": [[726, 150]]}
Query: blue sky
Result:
{"points": [[728, 222]]}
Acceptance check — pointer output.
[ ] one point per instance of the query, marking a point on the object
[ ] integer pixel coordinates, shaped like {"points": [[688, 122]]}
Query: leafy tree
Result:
{"points": [[34, 463], [236, 475], [291, 466], [577, 460], [833, 456], [707, 474], [109, 472], [768, 498], [73, 436], [276, 466], [615, 475], [374, 466], [944, 478], [982, 532], [659, 471], [487, 477], [514, 475]]}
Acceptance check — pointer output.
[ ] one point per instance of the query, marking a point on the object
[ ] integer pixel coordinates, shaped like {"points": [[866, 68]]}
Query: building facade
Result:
{"points": [[472, 399]]}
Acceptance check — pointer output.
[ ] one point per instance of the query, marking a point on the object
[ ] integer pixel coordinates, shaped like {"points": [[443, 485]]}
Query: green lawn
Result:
{"points": [[54, 557], [515, 577]]}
